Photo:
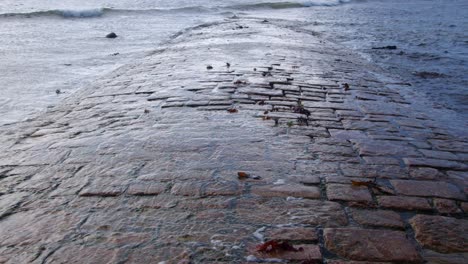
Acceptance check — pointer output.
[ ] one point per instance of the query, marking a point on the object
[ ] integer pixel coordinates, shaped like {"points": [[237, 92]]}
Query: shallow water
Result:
{"points": [[42, 54], [431, 40], [430, 36], [61, 45]]}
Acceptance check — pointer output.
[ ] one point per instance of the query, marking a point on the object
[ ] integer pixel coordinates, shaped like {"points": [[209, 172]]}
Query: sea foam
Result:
{"points": [[97, 12], [65, 13]]}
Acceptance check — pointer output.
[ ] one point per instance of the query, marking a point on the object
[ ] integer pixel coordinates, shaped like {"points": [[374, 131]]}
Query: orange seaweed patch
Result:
{"points": [[277, 246], [242, 175], [372, 185]]}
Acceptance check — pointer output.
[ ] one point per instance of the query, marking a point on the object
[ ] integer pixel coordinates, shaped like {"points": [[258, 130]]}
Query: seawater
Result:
{"points": [[47, 45]]}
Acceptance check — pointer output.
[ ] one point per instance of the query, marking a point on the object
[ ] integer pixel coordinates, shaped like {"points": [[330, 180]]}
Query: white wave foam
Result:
{"points": [[97, 12], [65, 13]]}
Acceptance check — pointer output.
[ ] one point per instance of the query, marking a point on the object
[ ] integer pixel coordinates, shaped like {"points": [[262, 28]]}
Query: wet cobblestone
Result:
{"points": [[142, 167]]}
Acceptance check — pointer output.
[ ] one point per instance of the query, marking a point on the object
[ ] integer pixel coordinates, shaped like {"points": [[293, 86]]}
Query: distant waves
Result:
{"points": [[98, 12], [85, 13]]}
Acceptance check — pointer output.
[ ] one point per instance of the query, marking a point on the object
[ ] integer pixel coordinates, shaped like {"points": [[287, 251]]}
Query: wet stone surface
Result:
{"points": [[377, 218], [442, 234], [143, 166], [371, 245]]}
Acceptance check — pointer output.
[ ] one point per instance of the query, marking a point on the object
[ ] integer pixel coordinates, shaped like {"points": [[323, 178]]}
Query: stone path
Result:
{"points": [[148, 165]]}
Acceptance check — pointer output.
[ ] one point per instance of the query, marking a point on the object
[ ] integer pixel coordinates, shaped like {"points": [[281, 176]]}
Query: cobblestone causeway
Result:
{"points": [[143, 167]]}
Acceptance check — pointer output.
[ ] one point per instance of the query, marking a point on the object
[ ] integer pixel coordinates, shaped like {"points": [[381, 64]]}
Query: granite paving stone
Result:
{"points": [[440, 233], [383, 218], [292, 234], [446, 206], [428, 189], [404, 203], [347, 192], [287, 190], [371, 245]]}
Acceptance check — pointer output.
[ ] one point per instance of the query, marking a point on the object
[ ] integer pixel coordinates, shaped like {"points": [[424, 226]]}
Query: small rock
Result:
{"points": [[58, 91], [429, 75], [386, 47], [346, 86], [209, 67], [111, 35]]}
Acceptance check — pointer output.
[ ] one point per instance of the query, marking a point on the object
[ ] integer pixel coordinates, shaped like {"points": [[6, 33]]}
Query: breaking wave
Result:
{"points": [[96, 12], [65, 13]]}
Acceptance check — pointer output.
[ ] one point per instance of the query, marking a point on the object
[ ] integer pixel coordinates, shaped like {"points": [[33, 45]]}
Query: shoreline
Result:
{"points": [[145, 165], [443, 114]]}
